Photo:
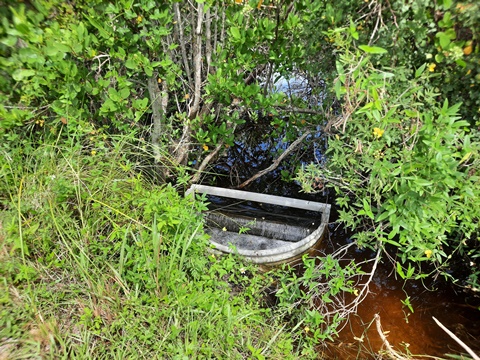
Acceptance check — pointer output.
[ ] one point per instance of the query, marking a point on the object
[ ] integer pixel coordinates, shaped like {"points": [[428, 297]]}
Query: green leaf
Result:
{"points": [[124, 93], [390, 242], [447, 4], [373, 49], [235, 33], [20, 74], [148, 71], [368, 209], [461, 63], [113, 94], [420, 70], [383, 216], [130, 64], [400, 271], [443, 38], [103, 33], [54, 48]]}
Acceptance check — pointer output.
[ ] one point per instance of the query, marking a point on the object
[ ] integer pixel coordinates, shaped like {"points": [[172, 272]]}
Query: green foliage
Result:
{"points": [[405, 165], [306, 298], [96, 261]]}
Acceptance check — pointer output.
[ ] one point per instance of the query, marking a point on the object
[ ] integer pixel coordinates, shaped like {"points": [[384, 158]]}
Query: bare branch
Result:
{"points": [[197, 62], [206, 161], [159, 101], [460, 342], [393, 354], [179, 31], [276, 162], [208, 40]]}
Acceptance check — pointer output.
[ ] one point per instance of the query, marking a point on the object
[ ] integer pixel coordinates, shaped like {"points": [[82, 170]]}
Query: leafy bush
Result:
{"points": [[404, 167]]}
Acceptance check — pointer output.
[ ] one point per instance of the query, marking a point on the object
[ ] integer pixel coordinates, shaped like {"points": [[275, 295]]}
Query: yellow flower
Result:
{"points": [[307, 329], [428, 253], [468, 50], [224, 229], [93, 152], [377, 132], [139, 19], [205, 147], [187, 96], [432, 67]]}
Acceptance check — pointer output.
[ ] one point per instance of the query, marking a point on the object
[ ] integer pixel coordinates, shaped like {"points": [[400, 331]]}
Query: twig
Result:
{"points": [[391, 351], [460, 342], [205, 162], [299, 110], [276, 162]]}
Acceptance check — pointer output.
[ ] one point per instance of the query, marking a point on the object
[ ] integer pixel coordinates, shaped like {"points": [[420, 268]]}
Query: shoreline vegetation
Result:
{"points": [[109, 110]]}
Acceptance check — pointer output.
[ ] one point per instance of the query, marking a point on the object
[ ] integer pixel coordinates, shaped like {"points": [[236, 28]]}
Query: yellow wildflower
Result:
{"points": [[307, 329], [187, 96], [93, 152], [224, 229], [205, 147], [428, 253], [378, 133], [468, 50], [139, 19], [432, 67]]}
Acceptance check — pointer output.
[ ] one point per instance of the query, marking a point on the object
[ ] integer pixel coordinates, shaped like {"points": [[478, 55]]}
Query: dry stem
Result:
{"points": [[276, 162]]}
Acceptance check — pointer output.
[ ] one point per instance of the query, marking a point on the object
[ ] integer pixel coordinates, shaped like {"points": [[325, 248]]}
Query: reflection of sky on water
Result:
{"points": [[312, 91]]}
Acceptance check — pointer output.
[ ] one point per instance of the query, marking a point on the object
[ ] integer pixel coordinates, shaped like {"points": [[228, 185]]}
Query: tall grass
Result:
{"points": [[97, 261]]}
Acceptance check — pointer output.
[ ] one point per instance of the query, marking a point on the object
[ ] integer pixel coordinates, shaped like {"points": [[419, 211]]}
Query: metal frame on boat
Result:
{"points": [[266, 241]]}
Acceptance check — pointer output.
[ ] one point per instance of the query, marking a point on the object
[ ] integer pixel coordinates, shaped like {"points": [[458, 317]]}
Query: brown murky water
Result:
{"points": [[412, 334]]}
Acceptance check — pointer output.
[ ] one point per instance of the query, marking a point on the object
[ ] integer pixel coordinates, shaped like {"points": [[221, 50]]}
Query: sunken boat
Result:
{"points": [[264, 229]]}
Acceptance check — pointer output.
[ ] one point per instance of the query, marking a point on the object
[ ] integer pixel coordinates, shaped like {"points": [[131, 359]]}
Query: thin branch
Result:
{"points": [[299, 110], [391, 351], [460, 342], [208, 40], [179, 30], [197, 62], [206, 161], [276, 162]]}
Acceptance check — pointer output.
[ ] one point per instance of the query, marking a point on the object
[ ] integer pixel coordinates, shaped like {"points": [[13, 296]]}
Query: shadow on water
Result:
{"points": [[414, 334]]}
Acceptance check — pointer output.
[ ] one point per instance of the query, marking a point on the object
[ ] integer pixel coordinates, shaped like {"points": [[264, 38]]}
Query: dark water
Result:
{"points": [[413, 334]]}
